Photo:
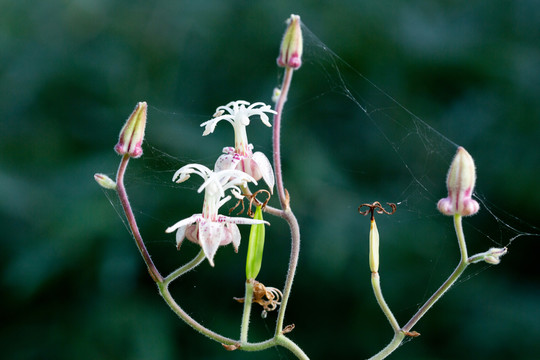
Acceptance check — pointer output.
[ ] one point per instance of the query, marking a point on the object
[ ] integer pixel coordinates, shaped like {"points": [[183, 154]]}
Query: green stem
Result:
{"points": [[388, 349], [375, 283], [248, 299], [165, 293], [163, 283], [463, 263], [291, 346], [197, 260]]}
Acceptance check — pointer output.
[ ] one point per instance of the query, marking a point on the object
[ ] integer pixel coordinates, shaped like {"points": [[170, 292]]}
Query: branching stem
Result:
{"points": [[163, 283], [463, 263]]}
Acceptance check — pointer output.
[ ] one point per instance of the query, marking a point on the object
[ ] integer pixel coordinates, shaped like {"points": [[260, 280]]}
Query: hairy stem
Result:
{"points": [[197, 260], [463, 263], [400, 334], [376, 284], [163, 283], [289, 344], [293, 262], [388, 349], [165, 293], [287, 213], [121, 190], [283, 198], [248, 299]]}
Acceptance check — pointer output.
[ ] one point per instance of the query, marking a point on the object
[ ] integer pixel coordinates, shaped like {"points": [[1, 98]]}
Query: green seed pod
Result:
{"points": [[255, 247], [374, 247]]}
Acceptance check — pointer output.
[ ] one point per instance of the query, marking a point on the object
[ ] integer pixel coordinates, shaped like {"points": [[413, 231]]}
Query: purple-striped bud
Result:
{"points": [[132, 134], [290, 53], [460, 183]]}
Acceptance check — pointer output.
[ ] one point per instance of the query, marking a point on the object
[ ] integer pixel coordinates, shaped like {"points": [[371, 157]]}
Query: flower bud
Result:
{"points": [[105, 182], [460, 183], [132, 134], [255, 246], [492, 256], [290, 53]]}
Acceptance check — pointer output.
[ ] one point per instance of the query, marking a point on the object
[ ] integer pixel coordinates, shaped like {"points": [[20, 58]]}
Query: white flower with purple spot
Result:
{"points": [[241, 156], [209, 229]]}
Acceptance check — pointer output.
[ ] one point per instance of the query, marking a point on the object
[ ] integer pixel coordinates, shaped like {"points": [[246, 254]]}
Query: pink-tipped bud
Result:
{"points": [[290, 53], [105, 182], [132, 134], [460, 183]]}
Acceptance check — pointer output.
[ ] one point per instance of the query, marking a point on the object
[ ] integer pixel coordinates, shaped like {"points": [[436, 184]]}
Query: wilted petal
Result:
{"points": [[210, 235]]}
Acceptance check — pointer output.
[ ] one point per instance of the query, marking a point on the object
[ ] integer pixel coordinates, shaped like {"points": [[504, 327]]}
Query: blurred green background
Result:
{"points": [[73, 284]]}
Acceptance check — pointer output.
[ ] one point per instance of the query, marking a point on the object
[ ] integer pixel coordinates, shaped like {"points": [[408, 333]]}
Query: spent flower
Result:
{"points": [[210, 229], [241, 156]]}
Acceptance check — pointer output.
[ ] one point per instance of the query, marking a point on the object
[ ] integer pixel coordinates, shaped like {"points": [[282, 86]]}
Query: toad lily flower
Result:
{"points": [[241, 156], [209, 229]]}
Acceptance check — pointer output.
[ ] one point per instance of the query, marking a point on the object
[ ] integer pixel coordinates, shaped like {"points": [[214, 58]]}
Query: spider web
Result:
{"points": [[346, 141], [422, 153], [384, 149]]}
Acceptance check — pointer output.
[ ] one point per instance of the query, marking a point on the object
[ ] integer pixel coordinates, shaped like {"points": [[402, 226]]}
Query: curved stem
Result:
{"points": [[165, 293], [388, 349], [291, 346], [376, 284], [293, 262], [121, 190], [463, 263], [163, 283], [197, 260]]}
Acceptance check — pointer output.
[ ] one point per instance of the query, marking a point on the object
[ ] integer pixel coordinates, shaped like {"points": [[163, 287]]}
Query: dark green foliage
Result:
{"points": [[73, 284]]}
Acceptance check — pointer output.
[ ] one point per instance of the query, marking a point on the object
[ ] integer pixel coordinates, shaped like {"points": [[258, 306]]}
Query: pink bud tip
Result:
{"points": [[290, 53], [132, 134], [460, 184]]}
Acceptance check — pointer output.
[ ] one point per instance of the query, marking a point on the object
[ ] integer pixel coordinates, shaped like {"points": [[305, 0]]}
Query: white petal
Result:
{"points": [[228, 150], [210, 235], [182, 174], [192, 233], [240, 220], [232, 235], [185, 222], [226, 162], [180, 235], [265, 168]]}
